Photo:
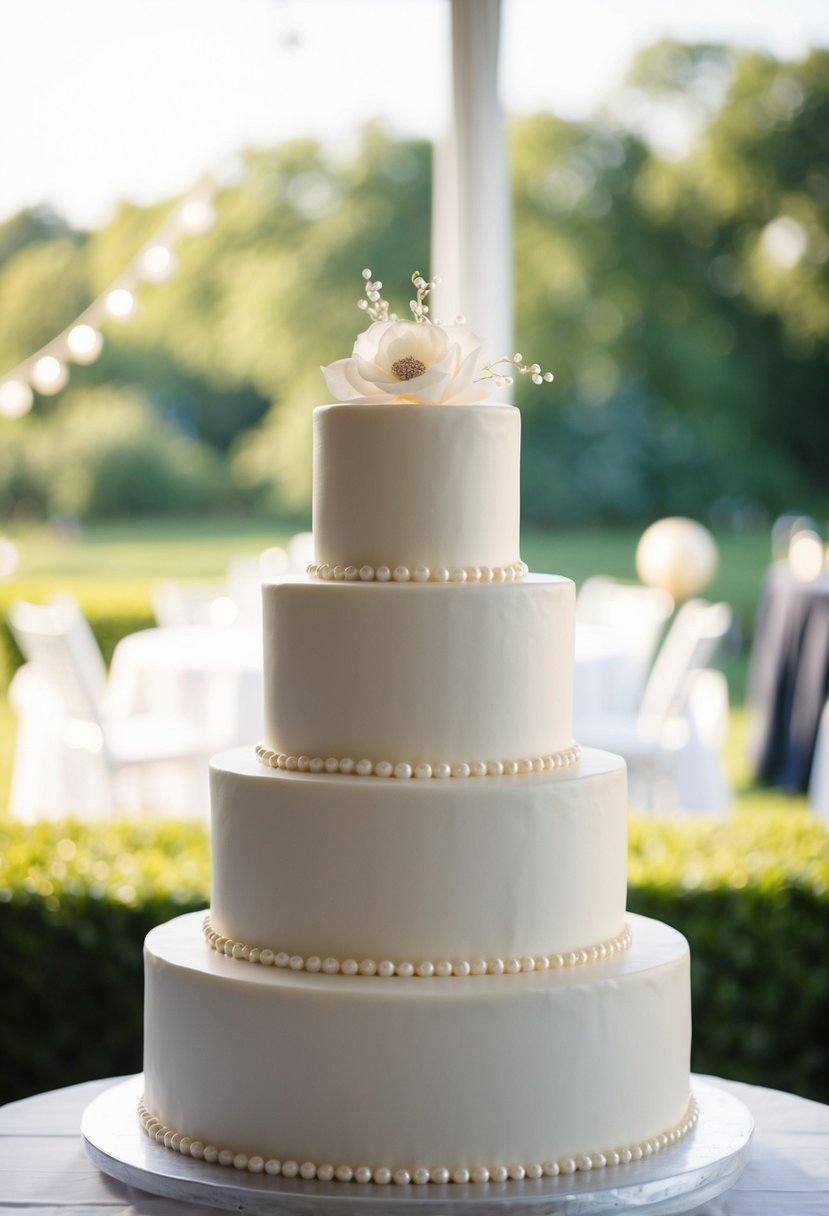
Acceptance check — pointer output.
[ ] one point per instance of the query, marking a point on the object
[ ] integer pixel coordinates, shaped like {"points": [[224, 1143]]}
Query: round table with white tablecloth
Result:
{"points": [[606, 679], [44, 1169], [211, 676]]}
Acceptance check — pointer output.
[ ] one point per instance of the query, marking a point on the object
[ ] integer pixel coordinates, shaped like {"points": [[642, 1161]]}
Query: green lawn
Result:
{"points": [[119, 564]]}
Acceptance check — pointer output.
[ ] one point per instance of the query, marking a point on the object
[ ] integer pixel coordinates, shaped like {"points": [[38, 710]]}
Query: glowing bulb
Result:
{"points": [[85, 343], [49, 375], [196, 216], [158, 263], [15, 398], [806, 556], [120, 303]]}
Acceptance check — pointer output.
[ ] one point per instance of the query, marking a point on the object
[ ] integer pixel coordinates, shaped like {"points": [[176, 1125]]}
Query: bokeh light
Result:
{"points": [[49, 375], [120, 303], [15, 398], [85, 343]]}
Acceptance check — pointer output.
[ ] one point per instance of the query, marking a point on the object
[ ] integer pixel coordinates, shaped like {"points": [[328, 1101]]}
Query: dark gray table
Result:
{"points": [[788, 681]]}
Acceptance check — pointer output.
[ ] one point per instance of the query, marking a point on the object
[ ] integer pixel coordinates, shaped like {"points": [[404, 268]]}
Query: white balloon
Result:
{"points": [[677, 554]]}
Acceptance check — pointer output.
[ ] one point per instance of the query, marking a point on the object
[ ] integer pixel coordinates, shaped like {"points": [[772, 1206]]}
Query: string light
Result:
{"points": [[47, 370], [49, 375], [120, 304], [85, 343], [157, 263], [196, 216], [16, 398]]}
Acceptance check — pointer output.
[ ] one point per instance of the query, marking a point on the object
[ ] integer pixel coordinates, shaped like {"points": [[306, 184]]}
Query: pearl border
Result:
{"points": [[329, 572], [420, 771], [425, 969], [420, 1175]]}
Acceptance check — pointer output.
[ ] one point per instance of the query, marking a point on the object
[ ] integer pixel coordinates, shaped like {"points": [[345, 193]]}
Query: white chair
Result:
{"points": [[635, 616], [700, 780], [73, 755], [669, 719]]}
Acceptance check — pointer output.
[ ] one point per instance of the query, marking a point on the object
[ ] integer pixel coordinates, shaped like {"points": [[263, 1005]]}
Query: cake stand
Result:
{"points": [[704, 1164]]}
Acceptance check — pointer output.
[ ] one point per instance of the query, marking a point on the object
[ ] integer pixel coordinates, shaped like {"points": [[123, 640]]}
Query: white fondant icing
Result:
{"points": [[494, 1048], [420, 1073], [437, 486], [421, 870], [421, 673]]}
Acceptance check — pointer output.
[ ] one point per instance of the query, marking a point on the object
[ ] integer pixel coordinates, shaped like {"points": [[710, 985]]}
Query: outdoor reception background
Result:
{"points": [[671, 223]]}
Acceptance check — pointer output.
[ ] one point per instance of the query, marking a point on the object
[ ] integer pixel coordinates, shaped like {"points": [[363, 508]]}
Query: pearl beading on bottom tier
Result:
{"points": [[420, 771], [420, 1175], [426, 968]]}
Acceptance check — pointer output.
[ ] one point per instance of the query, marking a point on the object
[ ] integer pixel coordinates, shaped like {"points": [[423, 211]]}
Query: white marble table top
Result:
{"points": [[44, 1170]]}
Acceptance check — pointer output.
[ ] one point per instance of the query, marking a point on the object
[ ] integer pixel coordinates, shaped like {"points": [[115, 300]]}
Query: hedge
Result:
{"points": [[751, 894], [76, 902]]}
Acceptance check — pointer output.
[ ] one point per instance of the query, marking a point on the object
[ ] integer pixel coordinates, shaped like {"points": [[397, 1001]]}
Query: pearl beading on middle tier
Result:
{"points": [[418, 574], [426, 968], [421, 771]]}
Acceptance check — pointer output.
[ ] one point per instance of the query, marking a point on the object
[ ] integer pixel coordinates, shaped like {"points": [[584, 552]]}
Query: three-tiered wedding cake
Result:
{"points": [[417, 965]]}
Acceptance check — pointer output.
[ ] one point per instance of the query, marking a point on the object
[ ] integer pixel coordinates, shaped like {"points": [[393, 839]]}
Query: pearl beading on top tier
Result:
{"points": [[418, 574], [421, 771]]}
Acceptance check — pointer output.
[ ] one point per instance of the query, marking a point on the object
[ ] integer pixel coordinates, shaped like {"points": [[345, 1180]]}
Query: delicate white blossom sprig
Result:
{"points": [[533, 370], [374, 304], [419, 307], [422, 361]]}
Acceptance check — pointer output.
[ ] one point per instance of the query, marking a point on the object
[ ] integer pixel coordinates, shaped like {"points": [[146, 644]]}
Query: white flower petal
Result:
{"points": [[466, 372], [368, 342], [340, 384], [431, 394], [408, 339], [465, 338], [451, 355], [477, 392], [371, 373], [363, 387], [435, 378]]}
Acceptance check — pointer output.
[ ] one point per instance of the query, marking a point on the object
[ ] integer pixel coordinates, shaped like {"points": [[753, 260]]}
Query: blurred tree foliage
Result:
{"points": [[672, 266]]}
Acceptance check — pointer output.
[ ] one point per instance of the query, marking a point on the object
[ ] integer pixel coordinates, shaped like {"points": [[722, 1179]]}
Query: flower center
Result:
{"points": [[408, 367]]}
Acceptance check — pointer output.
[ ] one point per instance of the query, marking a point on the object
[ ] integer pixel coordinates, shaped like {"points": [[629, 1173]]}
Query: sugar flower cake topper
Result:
{"points": [[421, 361]]}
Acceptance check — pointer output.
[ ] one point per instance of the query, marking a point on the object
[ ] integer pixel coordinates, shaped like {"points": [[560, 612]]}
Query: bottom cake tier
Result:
{"points": [[416, 1079]]}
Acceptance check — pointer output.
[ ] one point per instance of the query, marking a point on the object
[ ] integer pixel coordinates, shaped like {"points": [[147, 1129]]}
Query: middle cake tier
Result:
{"points": [[419, 674], [326, 867]]}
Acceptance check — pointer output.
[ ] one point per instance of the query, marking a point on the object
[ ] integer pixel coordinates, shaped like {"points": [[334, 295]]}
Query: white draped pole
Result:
{"points": [[471, 212]]}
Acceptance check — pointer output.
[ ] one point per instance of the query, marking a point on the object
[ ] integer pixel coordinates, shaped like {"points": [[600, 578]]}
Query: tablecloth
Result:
{"points": [[788, 676], [44, 1170]]}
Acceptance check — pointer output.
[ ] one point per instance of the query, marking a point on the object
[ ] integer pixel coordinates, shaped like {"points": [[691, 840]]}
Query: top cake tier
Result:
{"points": [[434, 487]]}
